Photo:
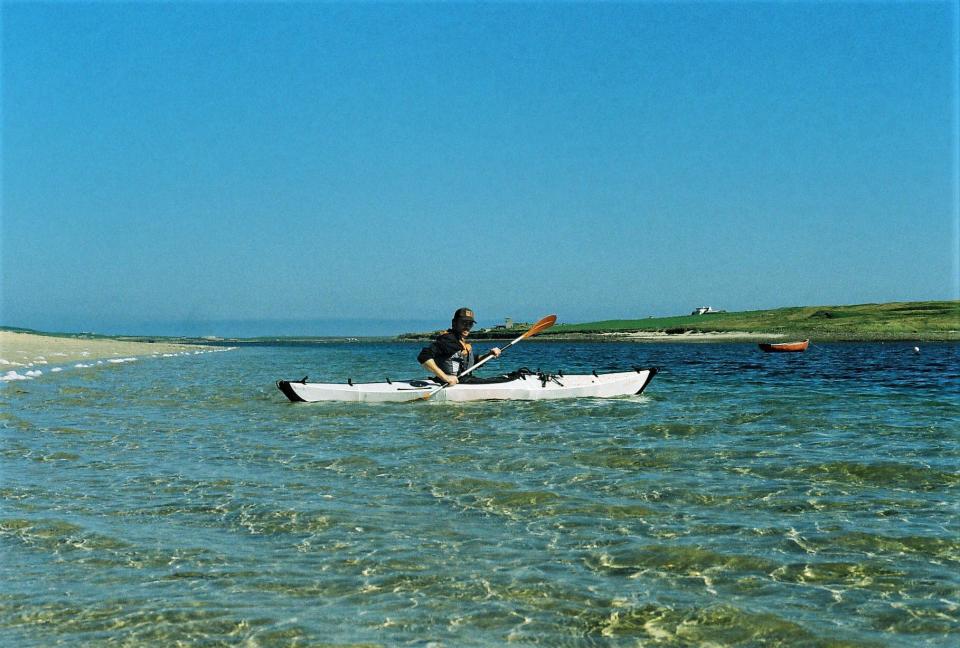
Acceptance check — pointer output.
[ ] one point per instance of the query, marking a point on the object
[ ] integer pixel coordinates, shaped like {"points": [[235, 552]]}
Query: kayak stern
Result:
{"points": [[288, 391]]}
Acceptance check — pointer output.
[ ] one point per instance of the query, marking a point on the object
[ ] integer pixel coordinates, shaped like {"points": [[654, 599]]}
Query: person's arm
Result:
{"points": [[442, 347], [495, 351], [432, 366]]}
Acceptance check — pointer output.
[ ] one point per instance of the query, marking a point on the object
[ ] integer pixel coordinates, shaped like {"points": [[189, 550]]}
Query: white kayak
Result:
{"points": [[525, 387]]}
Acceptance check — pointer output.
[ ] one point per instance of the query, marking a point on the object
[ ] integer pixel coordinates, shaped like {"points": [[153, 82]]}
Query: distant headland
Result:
{"points": [[925, 320]]}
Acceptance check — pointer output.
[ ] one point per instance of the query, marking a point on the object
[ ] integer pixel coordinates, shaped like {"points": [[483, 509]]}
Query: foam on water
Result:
{"points": [[13, 375]]}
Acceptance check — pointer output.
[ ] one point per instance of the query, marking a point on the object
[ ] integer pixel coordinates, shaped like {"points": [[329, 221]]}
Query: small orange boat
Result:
{"points": [[785, 346]]}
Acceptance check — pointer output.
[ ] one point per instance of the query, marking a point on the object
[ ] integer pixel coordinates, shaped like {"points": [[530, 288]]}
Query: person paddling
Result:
{"points": [[450, 354]]}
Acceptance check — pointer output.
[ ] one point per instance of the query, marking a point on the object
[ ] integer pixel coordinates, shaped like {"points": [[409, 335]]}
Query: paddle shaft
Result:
{"points": [[489, 357]]}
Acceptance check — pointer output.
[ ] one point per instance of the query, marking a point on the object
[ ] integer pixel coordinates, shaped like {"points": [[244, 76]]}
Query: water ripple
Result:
{"points": [[743, 500]]}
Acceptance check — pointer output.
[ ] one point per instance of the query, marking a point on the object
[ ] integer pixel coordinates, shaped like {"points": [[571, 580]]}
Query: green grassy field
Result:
{"points": [[931, 320]]}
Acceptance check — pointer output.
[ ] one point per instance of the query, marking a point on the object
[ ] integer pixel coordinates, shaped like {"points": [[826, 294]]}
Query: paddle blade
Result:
{"points": [[540, 326]]}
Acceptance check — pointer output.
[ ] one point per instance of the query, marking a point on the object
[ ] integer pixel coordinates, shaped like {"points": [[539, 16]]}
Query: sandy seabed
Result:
{"points": [[24, 356]]}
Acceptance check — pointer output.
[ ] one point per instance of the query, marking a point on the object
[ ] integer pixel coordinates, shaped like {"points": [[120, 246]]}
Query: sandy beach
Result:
{"points": [[26, 355]]}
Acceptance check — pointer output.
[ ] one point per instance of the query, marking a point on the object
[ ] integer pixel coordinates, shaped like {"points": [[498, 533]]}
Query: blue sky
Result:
{"points": [[170, 166]]}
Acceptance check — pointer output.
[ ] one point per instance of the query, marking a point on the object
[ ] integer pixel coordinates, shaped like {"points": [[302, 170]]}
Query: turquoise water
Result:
{"points": [[744, 499]]}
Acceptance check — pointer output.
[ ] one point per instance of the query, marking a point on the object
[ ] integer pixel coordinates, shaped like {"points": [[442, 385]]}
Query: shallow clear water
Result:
{"points": [[744, 499]]}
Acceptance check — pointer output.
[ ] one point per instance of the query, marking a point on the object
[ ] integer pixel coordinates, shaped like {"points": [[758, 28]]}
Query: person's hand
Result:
{"points": [[452, 380], [495, 352]]}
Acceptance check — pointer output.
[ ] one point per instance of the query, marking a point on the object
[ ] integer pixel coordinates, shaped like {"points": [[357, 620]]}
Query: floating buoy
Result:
{"points": [[916, 349]]}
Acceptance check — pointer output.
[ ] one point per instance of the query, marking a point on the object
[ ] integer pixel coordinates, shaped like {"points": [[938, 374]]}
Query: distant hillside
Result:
{"points": [[931, 320]]}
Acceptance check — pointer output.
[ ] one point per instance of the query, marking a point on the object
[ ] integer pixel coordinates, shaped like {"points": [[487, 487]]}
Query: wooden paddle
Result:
{"points": [[540, 326]]}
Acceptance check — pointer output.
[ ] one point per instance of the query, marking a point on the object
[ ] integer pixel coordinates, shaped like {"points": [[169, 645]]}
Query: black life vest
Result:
{"points": [[459, 361]]}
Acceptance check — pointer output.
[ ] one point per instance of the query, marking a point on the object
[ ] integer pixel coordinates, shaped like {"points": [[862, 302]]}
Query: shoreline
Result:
{"points": [[694, 337], [24, 356], [32, 350], [660, 336]]}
